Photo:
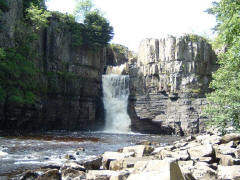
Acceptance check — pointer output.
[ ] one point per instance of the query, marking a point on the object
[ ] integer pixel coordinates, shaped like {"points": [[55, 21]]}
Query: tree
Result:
{"points": [[38, 17], [98, 29], [224, 107], [83, 7], [3, 6], [17, 79]]}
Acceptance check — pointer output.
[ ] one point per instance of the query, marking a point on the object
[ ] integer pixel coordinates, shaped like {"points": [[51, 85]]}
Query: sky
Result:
{"points": [[135, 20]]}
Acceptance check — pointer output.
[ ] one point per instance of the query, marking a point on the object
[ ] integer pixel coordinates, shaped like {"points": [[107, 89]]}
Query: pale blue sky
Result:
{"points": [[134, 20]]}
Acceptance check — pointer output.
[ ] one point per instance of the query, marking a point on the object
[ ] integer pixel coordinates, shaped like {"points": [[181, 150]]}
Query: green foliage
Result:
{"points": [[196, 38], [17, 77], [94, 30], [3, 6], [37, 16], [82, 8], [224, 107], [98, 29], [79, 35], [120, 49], [28, 3]]}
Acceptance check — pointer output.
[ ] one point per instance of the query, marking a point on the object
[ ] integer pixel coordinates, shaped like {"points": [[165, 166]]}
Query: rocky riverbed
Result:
{"points": [[195, 157], [20, 152]]}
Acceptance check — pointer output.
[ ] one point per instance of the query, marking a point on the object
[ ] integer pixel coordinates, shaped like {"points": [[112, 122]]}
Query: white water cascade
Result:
{"points": [[115, 99]]}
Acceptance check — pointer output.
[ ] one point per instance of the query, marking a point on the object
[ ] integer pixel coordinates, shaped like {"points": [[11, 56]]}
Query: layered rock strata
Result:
{"points": [[168, 84], [70, 78]]}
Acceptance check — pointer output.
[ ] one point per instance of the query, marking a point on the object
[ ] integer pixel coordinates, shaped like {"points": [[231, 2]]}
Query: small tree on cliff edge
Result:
{"points": [[224, 107]]}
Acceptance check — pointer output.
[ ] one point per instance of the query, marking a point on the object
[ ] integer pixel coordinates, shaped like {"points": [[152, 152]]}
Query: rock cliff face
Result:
{"points": [[70, 79], [168, 84]]}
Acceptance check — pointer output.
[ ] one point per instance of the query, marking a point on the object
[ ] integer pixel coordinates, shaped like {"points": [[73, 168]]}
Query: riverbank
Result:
{"points": [[28, 151], [201, 157]]}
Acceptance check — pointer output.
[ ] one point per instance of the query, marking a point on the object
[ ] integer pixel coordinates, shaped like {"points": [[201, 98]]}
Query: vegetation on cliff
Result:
{"points": [[18, 74], [3, 6], [224, 107], [93, 29], [21, 80]]}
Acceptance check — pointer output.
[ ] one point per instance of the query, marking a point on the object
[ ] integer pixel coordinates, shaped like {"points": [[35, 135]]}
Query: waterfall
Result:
{"points": [[115, 99]]}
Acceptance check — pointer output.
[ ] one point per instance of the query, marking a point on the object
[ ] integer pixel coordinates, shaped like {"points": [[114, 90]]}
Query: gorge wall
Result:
{"points": [[70, 78], [168, 84]]}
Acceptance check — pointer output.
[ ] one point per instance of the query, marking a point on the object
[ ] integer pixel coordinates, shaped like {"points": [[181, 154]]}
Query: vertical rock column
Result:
{"points": [[169, 82]]}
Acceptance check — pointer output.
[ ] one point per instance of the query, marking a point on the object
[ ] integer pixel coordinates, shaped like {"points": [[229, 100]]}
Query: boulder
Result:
{"points": [[71, 174], [156, 169], [186, 167], [73, 165], [228, 172], [225, 150], [157, 150], [139, 150], [127, 162], [202, 171], [230, 137], [107, 157], [106, 175], [237, 153], [92, 164], [201, 151], [29, 175], [177, 154], [50, 175], [206, 159], [226, 160]]}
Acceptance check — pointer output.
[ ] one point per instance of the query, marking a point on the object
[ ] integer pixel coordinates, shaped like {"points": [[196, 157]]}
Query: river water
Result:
{"points": [[29, 151]]}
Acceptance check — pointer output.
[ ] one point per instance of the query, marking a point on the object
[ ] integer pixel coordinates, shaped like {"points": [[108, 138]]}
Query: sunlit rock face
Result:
{"points": [[169, 81]]}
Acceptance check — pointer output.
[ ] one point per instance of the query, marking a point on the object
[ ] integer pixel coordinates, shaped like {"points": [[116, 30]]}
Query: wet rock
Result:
{"points": [[79, 150], [29, 175], [139, 150], [72, 174], [92, 164], [70, 157], [230, 137], [73, 165], [50, 175], [228, 172]]}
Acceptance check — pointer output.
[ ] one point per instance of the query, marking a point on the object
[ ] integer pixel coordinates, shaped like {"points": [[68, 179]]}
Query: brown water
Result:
{"points": [[20, 152]]}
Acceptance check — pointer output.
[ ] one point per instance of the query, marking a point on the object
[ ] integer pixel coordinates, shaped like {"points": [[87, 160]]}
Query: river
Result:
{"points": [[19, 152]]}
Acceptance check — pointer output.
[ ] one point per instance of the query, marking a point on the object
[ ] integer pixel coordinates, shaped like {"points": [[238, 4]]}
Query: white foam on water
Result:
{"points": [[3, 154]]}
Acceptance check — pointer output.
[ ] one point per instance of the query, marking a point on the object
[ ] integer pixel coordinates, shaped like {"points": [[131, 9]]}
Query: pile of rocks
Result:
{"points": [[201, 157]]}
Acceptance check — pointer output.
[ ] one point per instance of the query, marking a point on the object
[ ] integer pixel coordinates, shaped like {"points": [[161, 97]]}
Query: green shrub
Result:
{"points": [[3, 6]]}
